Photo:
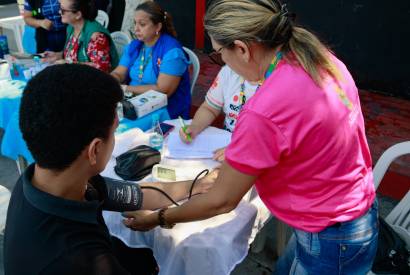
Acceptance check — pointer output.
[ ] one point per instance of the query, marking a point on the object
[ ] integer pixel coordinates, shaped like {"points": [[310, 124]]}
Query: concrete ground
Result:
{"points": [[8, 177]]}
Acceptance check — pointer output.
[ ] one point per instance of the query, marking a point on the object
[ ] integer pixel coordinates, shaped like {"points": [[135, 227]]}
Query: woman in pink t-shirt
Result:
{"points": [[300, 140]]}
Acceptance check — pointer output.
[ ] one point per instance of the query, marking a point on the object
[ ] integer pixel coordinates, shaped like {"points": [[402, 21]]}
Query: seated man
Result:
{"points": [[53, 227]]}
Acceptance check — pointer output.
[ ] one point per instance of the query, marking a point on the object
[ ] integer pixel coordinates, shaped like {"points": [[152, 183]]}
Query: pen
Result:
{"points": [[183, 127]]}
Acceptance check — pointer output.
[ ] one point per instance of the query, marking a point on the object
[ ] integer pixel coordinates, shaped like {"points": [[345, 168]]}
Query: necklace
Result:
{"points": [[71, 52], [270, 70], [143, 63]]}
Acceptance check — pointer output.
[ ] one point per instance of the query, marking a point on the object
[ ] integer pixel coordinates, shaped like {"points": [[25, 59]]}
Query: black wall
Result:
{"points": [[372, 37], [5, 2], [183, 12]]}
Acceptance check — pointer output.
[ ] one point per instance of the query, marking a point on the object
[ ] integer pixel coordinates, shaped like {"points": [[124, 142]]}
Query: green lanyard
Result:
{"points": [[273, 64], [271, 68], [143, 63]]}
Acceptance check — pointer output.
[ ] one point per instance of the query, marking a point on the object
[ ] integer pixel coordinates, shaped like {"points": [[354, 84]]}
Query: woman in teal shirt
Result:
{"points": [[156, 60], [87, 41]]}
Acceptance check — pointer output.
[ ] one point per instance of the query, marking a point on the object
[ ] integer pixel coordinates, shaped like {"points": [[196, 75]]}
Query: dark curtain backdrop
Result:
{"points": [[5, 2], [372, 38], [183, 12]]}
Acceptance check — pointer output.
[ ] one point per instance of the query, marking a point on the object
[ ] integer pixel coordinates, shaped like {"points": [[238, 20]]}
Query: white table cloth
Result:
{"points": [[210, 247]]}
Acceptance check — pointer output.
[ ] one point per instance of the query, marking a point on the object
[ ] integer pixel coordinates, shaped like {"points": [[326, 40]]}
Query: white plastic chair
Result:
{"points": [[16, 25], [102, 18], [4, 204], [399, 217], [196, 67], [121, 39]]}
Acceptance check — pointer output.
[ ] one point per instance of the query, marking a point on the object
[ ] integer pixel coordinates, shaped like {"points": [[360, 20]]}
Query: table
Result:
{"points": [[213, 246], [10, 95], [16, 25], [13, 144]]}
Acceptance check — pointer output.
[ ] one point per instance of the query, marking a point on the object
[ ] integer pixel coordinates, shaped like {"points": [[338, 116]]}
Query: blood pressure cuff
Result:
{"points": [[115, 195], [129, 110], [136, 163]]}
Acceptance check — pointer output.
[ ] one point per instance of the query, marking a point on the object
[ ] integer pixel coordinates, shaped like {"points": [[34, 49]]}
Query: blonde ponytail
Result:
{"points": [[268, 22]]}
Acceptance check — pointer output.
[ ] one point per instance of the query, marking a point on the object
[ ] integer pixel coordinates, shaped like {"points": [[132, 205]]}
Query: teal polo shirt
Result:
{"points": [[46, 234]]}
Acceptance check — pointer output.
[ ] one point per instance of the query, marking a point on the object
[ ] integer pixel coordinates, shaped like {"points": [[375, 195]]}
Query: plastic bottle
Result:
{"points": [[37, 64], [156, 138], [14, 68], [120, 111]]}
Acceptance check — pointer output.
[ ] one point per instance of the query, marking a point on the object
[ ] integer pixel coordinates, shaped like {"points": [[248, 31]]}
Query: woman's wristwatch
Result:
{"points": [[161, 219]]}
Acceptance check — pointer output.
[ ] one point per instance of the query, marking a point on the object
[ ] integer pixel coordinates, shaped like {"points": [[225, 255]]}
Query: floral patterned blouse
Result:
{"points": [[98, 51]]}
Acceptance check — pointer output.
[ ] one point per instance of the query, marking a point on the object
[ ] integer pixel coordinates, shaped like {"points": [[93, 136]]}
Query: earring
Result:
{"points": [[157, 33]]}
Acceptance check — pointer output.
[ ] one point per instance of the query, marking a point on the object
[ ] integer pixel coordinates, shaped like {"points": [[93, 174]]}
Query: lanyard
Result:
{"points": [[271, 68], [273, 64], [143, 63]]}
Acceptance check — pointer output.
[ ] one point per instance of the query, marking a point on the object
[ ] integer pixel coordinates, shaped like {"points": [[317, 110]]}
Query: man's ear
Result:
{"points": [[243, 50], [93, 150]]}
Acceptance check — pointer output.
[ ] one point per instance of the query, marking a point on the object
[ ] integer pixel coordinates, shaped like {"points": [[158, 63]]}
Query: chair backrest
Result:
{"points": [[387, 158], [4, 204], [196, 67], [121, 39], [102, 18], [399, 217]]}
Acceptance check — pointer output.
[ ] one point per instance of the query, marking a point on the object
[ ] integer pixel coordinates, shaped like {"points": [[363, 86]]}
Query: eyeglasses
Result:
{"points": [[63, 11], [216, 56]]}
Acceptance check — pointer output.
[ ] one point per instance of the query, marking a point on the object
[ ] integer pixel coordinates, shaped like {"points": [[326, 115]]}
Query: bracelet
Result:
{"points": [[161, 220]]}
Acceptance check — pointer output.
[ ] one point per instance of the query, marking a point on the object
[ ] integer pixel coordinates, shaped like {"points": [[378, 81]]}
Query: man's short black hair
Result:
{"points": [[63, 109]]}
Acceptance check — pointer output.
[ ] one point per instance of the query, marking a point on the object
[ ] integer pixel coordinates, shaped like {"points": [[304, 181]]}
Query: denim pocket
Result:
{"points": [[354, 255]]}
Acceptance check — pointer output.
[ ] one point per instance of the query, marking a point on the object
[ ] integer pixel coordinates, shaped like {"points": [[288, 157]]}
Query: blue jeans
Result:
{"points": [[344, 248]]}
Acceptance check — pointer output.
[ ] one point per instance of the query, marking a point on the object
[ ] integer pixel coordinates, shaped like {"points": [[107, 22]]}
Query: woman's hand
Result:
{"points": [[205, 184], [60, 61], [46, 24], [219, 154], [140, 220], [192, 130], [51, 57]]}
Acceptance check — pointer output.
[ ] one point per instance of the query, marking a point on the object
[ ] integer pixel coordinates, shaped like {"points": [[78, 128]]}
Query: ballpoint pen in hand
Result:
{"points": [[184, 129]]}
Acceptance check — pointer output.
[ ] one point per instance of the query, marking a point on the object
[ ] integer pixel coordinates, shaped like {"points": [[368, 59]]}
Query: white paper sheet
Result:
{"points": [[203, 146], [129, 139]]}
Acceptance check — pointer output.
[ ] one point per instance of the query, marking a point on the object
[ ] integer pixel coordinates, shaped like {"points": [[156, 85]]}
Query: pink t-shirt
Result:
{"points": [[307, 147]]}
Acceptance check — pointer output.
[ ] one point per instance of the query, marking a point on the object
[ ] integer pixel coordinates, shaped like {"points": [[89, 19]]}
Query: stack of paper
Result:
{"points": [[203, 146]]}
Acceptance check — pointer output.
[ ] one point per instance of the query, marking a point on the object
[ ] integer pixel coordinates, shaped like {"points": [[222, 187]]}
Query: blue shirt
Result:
{"points": [[50, 10], [174, 63]]}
